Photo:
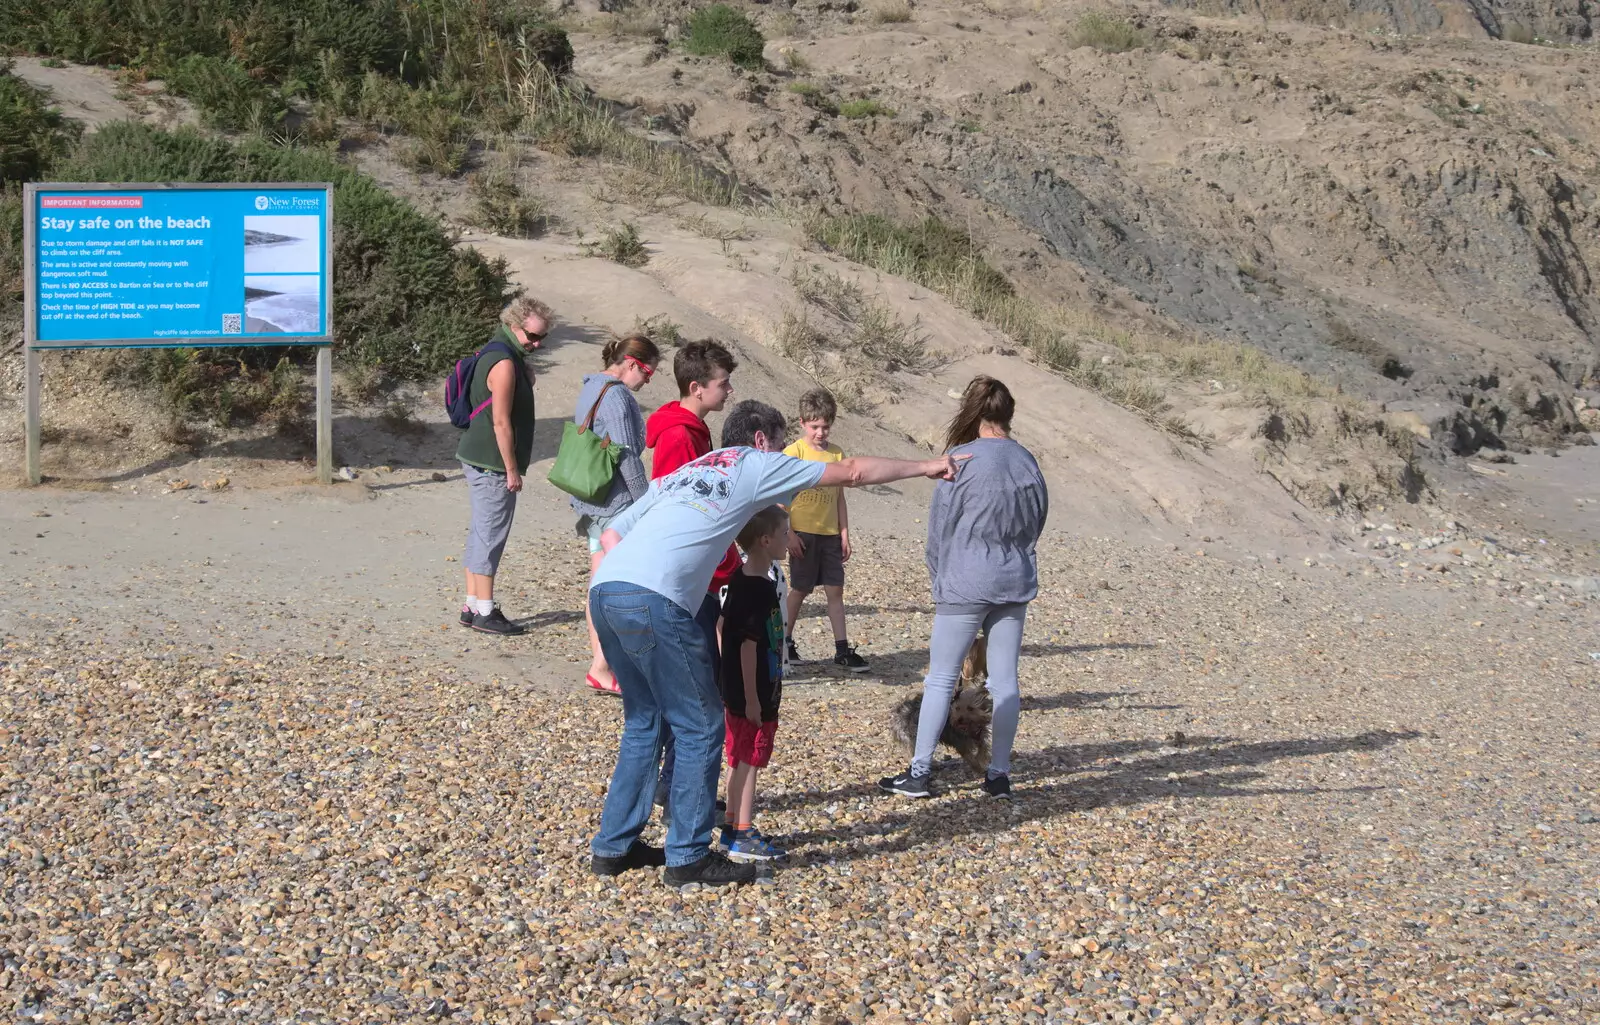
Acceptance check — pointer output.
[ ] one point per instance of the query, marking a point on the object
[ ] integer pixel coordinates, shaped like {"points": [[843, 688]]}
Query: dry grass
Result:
{"points": [[950, 263], [566, 121], [889, 12], [1106, 33], [847, 339]]}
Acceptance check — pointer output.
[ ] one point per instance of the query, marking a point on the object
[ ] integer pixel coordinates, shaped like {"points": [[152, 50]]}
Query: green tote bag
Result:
{"points": [[585, 462]]}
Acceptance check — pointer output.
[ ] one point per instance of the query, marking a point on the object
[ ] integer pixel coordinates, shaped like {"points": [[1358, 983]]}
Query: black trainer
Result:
{"points": [[907, 785], [848, 658], [467, 616], [711, 870], [998, 787], [640, 855], [794, 655], [497, 623]]}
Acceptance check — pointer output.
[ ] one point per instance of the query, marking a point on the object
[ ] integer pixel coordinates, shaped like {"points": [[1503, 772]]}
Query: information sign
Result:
{"points": [[177, 264]]}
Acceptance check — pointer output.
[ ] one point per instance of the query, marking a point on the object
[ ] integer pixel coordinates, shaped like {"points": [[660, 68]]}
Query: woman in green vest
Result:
{"points": [[494, 454]]}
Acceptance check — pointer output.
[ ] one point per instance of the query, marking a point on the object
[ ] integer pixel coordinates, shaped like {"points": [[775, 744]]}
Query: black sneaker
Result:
{"points": [[711, 870], [998, 787], [848, 658], [467, 616], [908, 785], [794, 655], [640, 855], [497, 623]]}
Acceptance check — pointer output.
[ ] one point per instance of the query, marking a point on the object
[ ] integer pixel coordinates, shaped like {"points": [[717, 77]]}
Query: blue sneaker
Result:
{"points": [[752, 846]]}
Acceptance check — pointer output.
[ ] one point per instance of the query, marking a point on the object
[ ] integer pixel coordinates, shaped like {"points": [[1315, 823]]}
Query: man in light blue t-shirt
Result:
{"points": [[660, 555]]}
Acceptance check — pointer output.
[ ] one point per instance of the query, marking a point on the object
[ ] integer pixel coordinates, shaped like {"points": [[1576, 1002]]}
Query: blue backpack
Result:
{"points": [[458, 386]]}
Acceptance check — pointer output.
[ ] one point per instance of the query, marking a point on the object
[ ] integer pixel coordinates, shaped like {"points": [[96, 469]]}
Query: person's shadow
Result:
{"points": [[1211, 767]]}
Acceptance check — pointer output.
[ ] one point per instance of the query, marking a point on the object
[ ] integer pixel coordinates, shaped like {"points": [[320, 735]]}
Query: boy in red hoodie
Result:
{"points": [[677, 434]]}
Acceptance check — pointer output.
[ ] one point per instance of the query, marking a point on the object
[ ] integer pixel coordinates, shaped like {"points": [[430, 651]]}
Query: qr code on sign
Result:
{"points": [[230, 324]]}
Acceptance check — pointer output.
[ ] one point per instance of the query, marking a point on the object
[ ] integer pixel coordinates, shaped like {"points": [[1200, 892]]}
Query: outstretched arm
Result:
{"points": [[860, 471]]}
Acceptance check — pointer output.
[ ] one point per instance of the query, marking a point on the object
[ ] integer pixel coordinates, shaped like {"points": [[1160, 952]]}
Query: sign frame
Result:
{"points": [[33, 347]]}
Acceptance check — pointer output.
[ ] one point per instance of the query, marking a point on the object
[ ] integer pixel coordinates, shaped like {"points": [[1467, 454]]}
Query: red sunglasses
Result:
{"points": [[644, 368]]}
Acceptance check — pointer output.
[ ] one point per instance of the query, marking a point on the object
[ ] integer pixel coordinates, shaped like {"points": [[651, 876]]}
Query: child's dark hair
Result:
{"points": [[640, 347], [697, 361], [986, 399], [764, 523], [818, 404]]}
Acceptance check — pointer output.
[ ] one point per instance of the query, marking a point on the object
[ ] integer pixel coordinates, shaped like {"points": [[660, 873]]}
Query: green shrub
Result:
{"points": [[32, 134], [723, 31], [32, 137], [1103, 32], [621, 245], [405, 298], [256, 56], [227, 97], [864, 108]]}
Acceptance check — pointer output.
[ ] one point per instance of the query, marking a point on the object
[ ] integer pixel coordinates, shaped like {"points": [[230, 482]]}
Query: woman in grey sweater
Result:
{"points": [[983, 529], [629, 362]]}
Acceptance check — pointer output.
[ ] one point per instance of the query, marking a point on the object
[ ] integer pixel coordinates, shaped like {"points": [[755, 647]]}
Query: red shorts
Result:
{"points": [[746, 743]]}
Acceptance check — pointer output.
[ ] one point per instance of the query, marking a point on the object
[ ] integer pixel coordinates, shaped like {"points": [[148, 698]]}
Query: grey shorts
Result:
{"points": [[592, 527], [822, 564], [492, 509]]}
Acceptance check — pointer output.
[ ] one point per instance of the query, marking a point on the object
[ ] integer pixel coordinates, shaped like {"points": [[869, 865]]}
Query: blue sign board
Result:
{"points": [[155, 265]]}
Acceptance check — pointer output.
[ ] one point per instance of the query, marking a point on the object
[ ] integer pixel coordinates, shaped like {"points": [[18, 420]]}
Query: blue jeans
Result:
{"points": [[710, 612], [658, 652], [953, 635]]}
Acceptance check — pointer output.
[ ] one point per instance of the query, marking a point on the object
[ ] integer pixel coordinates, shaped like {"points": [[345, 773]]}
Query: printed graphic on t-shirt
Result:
{"points": [[775, 644], [705, 484]]}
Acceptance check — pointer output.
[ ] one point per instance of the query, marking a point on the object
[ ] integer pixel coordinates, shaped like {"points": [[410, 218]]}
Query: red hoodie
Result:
{"points": [[677, 437]]}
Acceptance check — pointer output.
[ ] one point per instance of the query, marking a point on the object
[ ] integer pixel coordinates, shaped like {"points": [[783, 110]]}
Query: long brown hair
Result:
{"points": [[985, 399], [639, 347]]}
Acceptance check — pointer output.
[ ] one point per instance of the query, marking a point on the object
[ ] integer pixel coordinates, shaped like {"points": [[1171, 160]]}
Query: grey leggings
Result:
{"points": [[952, 638]]}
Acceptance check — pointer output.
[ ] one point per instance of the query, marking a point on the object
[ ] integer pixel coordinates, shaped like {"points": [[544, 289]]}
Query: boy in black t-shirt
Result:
{"points": [[752, 676]]}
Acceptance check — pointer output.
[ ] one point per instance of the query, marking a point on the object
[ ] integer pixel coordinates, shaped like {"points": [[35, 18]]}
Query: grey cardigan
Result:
{"points": [[619, 419], [983, 529]]}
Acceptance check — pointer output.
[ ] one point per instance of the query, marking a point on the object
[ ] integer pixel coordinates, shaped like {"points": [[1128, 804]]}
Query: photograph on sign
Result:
{"points": [[179, 265], [282, 245], [282, 303]]}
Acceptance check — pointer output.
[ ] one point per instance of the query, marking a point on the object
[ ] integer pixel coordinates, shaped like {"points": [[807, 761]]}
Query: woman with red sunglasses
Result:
{"points": [[629, 362]]}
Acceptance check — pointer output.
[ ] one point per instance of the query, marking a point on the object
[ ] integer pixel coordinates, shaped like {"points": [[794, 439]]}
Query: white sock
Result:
{"points": [[483, 606], [469, 603]]}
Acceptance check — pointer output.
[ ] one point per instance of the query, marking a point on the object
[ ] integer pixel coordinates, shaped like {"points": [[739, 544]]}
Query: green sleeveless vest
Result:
{"points": [[478, 446]]}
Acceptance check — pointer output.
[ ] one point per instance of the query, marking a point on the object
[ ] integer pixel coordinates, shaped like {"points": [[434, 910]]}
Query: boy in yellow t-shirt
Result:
{"points": [[819, 541]]}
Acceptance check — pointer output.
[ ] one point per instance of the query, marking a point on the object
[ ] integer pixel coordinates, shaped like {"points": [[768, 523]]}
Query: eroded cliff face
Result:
{"points": [[1414, 217], [1561, 21]]}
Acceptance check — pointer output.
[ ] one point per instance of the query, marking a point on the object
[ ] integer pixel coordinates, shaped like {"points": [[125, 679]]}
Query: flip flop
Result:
{"points": [[602, 688]]}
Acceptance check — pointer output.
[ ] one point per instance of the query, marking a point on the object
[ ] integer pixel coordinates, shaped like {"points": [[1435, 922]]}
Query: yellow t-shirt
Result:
{"points": [[815, 511]]}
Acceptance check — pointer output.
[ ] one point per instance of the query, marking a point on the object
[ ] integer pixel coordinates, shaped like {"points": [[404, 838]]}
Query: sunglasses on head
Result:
{"points": [[644, 368]]}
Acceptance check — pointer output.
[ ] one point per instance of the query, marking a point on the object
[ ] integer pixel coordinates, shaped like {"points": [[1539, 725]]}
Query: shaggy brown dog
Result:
{"points": [[966, 730]]}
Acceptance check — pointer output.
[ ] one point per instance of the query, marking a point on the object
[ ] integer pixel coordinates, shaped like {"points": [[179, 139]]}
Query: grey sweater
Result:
{"points": [[983, 528], [619, 419]]}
